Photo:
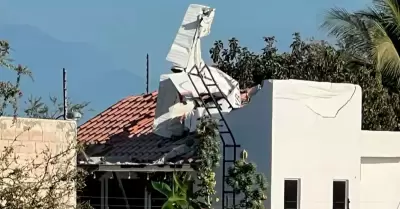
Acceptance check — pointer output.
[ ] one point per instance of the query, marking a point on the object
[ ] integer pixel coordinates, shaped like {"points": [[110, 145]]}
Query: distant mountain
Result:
{"points": [[92, 75]]}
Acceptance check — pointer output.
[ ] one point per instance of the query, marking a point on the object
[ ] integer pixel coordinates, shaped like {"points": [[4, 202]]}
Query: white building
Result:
{"points": [[306, 138]]}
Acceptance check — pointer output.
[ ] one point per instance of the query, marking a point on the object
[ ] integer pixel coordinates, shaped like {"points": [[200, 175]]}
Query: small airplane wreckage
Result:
{"points": [[193, 89]]}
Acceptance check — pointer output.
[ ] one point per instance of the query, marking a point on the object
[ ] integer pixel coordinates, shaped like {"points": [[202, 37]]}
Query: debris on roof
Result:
{"points": [[132, 116], [246, 94], [147, 149], [185, 50], [158, 128], [182, 93]]}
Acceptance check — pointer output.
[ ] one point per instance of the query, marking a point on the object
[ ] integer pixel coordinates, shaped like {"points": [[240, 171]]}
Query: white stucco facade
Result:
{"points": [[380, 170], [311, 132]]}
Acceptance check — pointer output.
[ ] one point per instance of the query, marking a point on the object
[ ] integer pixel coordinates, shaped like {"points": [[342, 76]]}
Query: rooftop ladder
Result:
{"points": [[224, 134]]}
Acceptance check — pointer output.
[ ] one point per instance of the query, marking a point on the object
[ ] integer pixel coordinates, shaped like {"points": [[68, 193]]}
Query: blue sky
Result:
{"points": [[125, 30], [128, 29]]}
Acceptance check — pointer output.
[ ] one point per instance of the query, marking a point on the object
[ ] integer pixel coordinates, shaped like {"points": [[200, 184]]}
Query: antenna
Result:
{"points": [[65, 94], [147, 73]]}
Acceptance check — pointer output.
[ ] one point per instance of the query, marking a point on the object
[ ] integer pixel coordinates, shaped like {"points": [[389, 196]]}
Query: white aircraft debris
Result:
{"points": [[182, 93]]}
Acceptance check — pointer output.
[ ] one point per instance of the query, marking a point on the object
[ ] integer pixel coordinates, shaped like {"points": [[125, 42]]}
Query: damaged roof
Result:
{"points": [[147, 149], [123, 134], [130, 117]]}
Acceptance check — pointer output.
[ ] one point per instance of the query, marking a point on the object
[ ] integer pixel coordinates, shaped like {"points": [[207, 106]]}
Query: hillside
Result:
{"points": [[92, 75]]}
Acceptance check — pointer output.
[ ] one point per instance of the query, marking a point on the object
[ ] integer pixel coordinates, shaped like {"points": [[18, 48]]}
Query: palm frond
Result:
{"points": [[389, 9], [386, 55], [349, 28], [385, 47]]}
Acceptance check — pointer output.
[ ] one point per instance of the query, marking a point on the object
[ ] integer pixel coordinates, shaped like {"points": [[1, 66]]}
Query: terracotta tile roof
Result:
{"points": [[123, 133], [130, 117]]}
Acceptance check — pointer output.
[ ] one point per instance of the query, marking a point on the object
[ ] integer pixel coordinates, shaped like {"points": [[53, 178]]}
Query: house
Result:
{"points": [[304, 136], [124, 151], [127, 151]]}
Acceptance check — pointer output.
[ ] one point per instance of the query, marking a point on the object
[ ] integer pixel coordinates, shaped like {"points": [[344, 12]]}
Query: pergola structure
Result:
{"points": [[121, 170]]}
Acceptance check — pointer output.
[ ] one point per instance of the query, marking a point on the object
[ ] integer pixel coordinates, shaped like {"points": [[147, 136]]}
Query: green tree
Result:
{"points": [[244, 179], [10, 91], [370, 34], [316, 61], [38, 109], [179, 196], [242, 176], [208, 154], [58, 177]]}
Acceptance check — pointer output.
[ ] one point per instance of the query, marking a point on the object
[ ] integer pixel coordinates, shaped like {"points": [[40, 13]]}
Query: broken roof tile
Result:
{"points": [[148, 149], [132, 116]]}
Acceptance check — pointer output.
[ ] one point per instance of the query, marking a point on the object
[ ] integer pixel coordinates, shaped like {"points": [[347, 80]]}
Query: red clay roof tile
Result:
{"points": [[131, 113], [132, 116], [126, 129]]}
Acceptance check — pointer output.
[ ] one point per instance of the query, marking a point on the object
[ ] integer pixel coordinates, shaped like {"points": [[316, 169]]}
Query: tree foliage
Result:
{"points": [[178, 194], [371, 35], [315, 61], [209, 154], [38, 109], [244, 179], [48, 179], [10, 91]]}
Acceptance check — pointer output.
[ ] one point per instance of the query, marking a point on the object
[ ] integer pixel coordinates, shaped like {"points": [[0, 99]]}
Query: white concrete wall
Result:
{"points": [[380, 170], [315, 149], [380, 144], [380, 183], [252, 128], [286, 139]]}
